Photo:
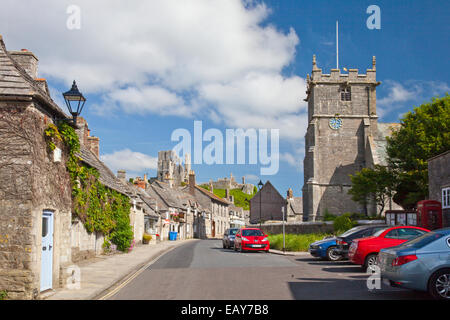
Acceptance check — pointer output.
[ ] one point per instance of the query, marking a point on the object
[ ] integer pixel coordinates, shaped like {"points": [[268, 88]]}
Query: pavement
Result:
{"points": [[102, 274]]}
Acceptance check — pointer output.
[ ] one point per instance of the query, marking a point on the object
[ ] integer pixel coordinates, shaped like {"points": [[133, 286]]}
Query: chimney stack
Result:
{"points": [[192, 182], [27, 60], [122, 175], [290, 194]]}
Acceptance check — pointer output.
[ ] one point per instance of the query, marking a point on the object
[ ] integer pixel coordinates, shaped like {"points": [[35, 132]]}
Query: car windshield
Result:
{"points": [[376, 234], [423, 240], [251, 232], [346, 233], [233, 232]]}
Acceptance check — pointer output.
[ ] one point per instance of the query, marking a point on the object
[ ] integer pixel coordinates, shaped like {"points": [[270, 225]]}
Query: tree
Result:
{"points": [[377, 184], [424, 133]]}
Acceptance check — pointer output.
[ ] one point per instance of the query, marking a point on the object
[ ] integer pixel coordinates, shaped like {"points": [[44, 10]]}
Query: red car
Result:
{"points": [[364, 251], [251, 239]]}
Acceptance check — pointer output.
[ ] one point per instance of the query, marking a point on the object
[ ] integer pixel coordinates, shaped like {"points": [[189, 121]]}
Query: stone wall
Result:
{"points": [[31, 181], [439, 178], [296, 228]]}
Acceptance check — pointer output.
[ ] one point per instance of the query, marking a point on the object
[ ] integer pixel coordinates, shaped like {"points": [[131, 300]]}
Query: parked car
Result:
{"points": [[364, 251], [251, 239], [344, 240], [324, 249], [228, 238], [421, 264]]}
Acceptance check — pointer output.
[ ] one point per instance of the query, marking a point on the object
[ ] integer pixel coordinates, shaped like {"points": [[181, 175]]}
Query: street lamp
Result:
{"points": [[74, 101], [260, 184]]}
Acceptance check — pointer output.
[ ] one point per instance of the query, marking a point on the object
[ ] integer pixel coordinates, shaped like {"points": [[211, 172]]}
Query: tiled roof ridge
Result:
{"points": [[212, 195]]}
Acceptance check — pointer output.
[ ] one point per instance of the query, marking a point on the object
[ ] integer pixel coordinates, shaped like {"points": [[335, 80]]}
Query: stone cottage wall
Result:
{"points": [[30, 182]]}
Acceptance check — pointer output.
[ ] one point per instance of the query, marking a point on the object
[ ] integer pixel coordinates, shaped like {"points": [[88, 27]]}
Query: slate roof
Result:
{"points": [[171, 197], [16, 83], [212, 195], [106, 176], [296, 205], [380, 143]]}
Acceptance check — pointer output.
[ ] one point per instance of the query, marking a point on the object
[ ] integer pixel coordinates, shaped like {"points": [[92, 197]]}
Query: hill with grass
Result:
{"points": [[241, 199]]}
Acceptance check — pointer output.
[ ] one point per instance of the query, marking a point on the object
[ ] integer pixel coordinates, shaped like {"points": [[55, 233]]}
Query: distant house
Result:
{"points": [[439, 183], [176, 207], [215, 206], [268, 204]]}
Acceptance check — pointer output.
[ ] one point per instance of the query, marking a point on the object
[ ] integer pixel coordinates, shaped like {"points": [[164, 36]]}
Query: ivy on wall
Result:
{"points": [[99, 208]]}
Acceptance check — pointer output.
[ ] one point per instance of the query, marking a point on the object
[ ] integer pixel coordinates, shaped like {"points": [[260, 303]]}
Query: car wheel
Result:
{"points": [[332, 255], [439, 285], [371, 262]]}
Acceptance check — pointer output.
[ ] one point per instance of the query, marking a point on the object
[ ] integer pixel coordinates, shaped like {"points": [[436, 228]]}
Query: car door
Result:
{"points": [[391, 239]]}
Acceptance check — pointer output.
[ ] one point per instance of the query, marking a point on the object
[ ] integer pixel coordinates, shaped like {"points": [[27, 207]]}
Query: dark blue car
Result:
{"points": [[325, 249]]}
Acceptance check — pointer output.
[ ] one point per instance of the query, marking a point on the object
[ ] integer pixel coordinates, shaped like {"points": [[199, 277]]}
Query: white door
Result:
{"points": [[47, 251]]}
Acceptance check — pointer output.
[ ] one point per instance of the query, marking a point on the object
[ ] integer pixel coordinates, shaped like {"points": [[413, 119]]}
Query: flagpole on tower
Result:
{"points": [[337, 45]]}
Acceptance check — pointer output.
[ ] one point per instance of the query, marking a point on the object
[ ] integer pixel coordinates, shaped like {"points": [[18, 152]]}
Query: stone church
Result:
{"points": [[343, 136]]}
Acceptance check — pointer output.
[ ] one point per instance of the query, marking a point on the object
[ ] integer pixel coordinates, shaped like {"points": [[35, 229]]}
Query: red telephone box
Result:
{"points": [[429, 214]]}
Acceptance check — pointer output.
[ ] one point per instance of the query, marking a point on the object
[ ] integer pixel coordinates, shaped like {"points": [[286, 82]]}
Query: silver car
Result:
{"points": [[421, 264]]}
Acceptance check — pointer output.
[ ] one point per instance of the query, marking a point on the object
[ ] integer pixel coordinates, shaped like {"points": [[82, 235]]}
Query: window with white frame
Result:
{"points": [[446, 198]]}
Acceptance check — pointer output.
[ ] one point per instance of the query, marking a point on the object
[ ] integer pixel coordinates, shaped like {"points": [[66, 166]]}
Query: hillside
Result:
{"points": [[241, 199]]}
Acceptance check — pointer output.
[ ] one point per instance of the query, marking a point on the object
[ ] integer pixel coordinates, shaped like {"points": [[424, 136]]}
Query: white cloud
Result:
{"points": [[130, 161], [150, 56], [413, 92]]}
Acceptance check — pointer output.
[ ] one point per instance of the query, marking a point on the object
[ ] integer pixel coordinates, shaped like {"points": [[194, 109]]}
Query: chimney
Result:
{"points": [[82, 131], [227, 193], [145, 180], [139, 183], [93, 144], [122, 175], [290, 194], [27, 60], [243, 180], [211, 187], [192, 182]]}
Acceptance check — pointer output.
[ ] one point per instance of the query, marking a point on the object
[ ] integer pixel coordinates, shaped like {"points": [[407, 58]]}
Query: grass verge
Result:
{"points": [[295, 242]]}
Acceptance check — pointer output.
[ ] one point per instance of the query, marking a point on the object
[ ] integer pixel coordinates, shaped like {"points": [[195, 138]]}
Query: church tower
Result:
{"points": [[342, 119]]}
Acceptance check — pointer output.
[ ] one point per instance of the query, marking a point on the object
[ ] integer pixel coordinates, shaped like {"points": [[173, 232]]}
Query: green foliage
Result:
{"points": [[241, 199], [343, 223], [377, 184], [3, 294], [424, 133], [295, 242], [98, 207], [327, 216]]}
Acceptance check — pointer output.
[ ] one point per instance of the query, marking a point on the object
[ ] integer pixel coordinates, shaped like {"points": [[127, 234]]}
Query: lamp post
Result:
{"points": [[74, 101], [260, 184]]}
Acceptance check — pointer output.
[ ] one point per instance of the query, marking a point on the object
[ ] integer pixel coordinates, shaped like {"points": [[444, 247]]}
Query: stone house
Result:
{"points": [[216, 207], [35, 192], [39, 238], [439, 183], [294, 207], [176, 207], [267, 204]]}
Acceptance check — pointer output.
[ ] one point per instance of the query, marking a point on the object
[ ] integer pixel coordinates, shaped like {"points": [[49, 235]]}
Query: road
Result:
{"points": [[203, 270]]}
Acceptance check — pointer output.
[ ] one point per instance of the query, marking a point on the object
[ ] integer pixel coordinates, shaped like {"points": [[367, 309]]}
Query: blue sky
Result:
{"points": [[150, 67]]}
